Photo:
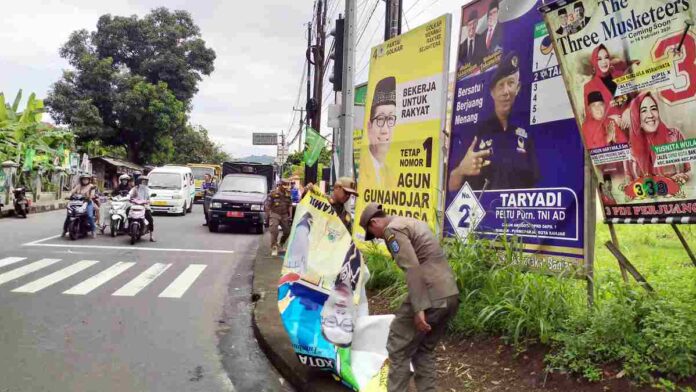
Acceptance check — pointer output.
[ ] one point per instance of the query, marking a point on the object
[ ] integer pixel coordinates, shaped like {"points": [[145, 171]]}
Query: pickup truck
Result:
{"points": [[239, 199]]}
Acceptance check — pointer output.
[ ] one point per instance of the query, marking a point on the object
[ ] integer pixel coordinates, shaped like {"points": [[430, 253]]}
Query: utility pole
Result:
{"points": [[302, 122], [314, 113], [347, 97], [392, 25], [310, 103]]}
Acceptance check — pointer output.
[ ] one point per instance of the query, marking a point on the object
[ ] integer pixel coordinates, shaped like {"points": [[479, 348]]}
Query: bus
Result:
{"points": [[199, 171]]}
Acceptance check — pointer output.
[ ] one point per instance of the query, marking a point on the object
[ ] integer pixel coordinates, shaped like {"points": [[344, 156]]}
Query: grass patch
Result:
{"points": [[652, 337]]}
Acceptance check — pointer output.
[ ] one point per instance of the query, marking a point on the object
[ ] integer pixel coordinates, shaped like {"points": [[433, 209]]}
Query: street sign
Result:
{"points": [[465, 212], [265, 138]]}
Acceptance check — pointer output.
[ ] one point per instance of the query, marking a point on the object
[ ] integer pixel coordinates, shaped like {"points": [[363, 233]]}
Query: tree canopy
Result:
{"points": [[132, 82]]}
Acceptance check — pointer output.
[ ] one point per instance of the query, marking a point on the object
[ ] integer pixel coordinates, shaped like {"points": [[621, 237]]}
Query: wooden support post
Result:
{"points": [[684, 243], [615, 241], [628, 266]]}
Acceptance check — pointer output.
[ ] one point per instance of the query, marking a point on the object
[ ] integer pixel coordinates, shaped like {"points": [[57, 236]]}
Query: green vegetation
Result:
{"points": [[652, 337], [131, 84]]}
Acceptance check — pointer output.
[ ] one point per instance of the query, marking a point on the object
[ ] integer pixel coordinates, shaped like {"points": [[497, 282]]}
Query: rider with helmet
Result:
{"points": [[86, 189], [142, 192], [124, 186]]}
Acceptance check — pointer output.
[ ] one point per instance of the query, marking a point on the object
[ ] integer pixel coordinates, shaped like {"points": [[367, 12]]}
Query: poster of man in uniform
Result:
{"points": [[322, 300], [400, 154], [516, 162], [630, 70]]}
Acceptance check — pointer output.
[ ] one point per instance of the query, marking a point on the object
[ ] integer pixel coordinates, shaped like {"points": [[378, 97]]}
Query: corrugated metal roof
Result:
{"points": [[120, 163]]}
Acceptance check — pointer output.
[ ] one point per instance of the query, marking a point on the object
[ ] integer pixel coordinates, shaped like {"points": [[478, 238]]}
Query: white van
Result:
{"points": [[172, 189]]}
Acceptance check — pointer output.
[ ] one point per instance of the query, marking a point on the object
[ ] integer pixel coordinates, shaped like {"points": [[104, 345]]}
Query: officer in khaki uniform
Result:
{"points": [[279, 209], [343, 189], [433, 297]]}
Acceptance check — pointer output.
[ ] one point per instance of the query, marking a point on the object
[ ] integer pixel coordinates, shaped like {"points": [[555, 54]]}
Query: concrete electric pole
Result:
{"points": [[348, 96], [392, 25]]}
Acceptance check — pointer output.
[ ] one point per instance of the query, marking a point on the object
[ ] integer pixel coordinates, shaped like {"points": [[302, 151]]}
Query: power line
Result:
{"points": [[367, 23], [425, 8], [412, 6]]}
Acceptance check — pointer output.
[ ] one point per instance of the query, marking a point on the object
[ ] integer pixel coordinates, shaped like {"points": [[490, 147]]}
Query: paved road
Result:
{"points": [[101, 315]]}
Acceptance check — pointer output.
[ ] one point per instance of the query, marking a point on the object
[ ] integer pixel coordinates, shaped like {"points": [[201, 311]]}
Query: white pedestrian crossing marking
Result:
{"points": [[176, 288], [99, 279], [26, 270], [55, 277], [10, 260], [141, 281], [182, 282]]}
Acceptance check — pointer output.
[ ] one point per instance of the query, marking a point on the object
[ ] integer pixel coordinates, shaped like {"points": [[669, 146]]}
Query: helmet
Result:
{"points": [[85, 175], [143, 178], [124, 177]]}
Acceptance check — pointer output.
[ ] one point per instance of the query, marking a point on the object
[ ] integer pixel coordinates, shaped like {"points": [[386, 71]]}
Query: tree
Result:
{"points": [[194, 146], [132, 82]]}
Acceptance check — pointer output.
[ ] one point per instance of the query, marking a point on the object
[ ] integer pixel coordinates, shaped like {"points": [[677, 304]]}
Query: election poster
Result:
{"points": [[516, 162], [322, 300], [630, 70], [401, 153], [358, 120]]}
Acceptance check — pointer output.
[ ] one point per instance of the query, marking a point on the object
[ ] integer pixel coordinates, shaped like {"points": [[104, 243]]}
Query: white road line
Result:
{"points": [[42, 240], [55, 277], [99, 279], [26, 270], [35, 243], [146, 277], [10, 260], [182, 282]]}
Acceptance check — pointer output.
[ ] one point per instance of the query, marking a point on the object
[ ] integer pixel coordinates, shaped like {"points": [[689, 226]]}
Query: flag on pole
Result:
{"points": [[313, 145]]}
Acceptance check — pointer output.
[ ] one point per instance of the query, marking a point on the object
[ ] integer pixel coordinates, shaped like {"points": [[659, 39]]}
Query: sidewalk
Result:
{"points": [[270, 333], [39, 206]]}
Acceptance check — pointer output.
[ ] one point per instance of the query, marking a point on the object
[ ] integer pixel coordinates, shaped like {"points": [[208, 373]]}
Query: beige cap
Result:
{"points": [[368, 213], [348, 185]]}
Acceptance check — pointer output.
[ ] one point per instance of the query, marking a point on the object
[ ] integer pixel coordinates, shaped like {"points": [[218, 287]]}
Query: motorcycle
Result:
{"points": [[76, 223], [21, 203], [137, 224], [117, 213]]}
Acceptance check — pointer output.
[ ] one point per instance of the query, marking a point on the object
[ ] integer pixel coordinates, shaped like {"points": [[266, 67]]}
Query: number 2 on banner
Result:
{"points": [[686, 65]]}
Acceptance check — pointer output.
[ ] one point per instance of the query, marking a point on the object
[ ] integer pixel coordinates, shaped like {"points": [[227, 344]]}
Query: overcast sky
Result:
{"points": [[259, 44]]}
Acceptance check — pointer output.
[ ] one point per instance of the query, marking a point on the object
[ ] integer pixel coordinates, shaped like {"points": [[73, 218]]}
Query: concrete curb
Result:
{"points": [[35, 208], [270, 333]]}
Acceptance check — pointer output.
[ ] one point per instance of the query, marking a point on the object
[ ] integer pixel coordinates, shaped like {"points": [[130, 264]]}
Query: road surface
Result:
{"points": [[102, 315]]}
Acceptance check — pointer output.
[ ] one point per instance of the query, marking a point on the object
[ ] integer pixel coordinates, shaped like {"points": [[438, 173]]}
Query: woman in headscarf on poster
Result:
{"points": [[605, 69], [647, 131]]}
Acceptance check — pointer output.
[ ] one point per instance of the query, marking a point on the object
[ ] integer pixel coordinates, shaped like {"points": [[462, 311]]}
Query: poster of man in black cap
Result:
{"points": [[380, 129], [501, 152], [516, 169]]}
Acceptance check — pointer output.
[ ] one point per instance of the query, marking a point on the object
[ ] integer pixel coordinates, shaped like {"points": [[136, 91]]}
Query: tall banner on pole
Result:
{"points": [[400, 157], [322, 300], [516, 163], [630, 70]]}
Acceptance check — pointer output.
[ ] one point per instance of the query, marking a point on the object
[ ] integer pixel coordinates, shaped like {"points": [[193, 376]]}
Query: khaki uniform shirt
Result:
{"points": [[343, 215], [279, 202], [418, 252]]}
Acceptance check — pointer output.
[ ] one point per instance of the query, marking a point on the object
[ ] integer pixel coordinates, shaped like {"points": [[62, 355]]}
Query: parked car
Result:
{"points": [[173, 189], [239, 199]]}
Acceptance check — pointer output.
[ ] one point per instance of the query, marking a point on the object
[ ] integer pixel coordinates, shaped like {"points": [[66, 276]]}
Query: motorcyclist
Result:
{"points": [[142, 192], [124, 186], [86, 189], [97, 204]]}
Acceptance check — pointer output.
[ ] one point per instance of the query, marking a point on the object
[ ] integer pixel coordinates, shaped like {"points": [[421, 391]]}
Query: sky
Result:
{"points": [[260, 47]]}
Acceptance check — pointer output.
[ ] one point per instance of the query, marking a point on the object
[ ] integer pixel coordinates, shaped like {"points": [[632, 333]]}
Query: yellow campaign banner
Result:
{"points": [[401, 150]]}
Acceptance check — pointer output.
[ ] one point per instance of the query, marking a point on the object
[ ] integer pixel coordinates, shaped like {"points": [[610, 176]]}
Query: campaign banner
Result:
{"points": [[630, 70], [516, 162], [322, 299], [358, 121], [401, 154]]}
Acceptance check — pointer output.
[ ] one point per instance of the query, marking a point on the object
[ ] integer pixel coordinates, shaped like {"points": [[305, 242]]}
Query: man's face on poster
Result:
{"points": [[579, 13], [504, 93], [471, 28], [597, 109], [337, 316], [564, 20], [380, 130], [492, 17]]}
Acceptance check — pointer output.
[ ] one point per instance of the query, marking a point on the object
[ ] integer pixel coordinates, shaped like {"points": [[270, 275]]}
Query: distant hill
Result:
{"points": [[265, 159]]}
